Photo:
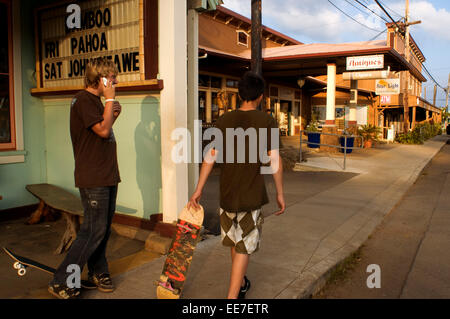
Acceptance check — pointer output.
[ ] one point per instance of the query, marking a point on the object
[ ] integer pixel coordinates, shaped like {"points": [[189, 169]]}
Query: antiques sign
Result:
{"points": [[367, 62], [107, 28]]}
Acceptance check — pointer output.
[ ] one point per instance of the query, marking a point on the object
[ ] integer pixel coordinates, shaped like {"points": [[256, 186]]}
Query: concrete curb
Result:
{"points": [[312, 280]]}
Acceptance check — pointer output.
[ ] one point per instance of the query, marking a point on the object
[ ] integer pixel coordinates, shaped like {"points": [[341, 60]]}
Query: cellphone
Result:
{"points": [[105, 81]]}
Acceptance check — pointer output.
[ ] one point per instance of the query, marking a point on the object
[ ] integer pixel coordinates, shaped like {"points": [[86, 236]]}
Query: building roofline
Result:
{"points": [[249, 21], [411, 39]]}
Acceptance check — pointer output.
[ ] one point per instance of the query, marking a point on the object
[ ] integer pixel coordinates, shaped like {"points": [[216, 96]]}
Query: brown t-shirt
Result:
{"points": [[242, 186], [95, 157]]}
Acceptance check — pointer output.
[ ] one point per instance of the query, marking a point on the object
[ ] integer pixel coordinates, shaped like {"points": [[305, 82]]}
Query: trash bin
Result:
{"points": [[313, 138], [448, 129], [350, 142]]}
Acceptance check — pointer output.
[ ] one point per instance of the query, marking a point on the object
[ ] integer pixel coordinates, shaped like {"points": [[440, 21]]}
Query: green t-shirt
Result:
{"points": [[242, 186]]}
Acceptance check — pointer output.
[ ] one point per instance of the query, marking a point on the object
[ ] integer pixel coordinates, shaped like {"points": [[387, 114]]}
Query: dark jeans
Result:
{"points": [[89, 247]]}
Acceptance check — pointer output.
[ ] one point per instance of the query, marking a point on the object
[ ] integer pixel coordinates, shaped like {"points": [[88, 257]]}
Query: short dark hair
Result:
{"points": [[251, 86]]}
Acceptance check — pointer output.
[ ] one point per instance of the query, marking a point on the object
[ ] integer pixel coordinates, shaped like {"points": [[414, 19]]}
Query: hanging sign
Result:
{"points": [[367, 62], [387, 87]]}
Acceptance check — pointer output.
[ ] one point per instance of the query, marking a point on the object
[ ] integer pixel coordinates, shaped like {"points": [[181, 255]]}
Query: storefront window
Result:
{"points": [[214, 107], [232, 83], [6, 106], [202, 106], [204, 80], [216, 82]]}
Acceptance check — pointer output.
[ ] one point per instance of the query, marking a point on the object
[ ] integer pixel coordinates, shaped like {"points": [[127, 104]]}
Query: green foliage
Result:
{"points": [[313, 126], [369, 132], [420, 134]]}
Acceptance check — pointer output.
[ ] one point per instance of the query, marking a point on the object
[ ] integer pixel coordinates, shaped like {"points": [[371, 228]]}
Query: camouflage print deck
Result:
{"points": [[180, 253]]}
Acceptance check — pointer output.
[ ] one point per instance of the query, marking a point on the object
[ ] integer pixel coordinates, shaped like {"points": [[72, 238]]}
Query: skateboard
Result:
{"points": [[171, 282], [22, 263]]}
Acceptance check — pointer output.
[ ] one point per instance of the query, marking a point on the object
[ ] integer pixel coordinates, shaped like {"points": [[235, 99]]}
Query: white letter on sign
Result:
{"points": [[374, 280], [74, 19]]}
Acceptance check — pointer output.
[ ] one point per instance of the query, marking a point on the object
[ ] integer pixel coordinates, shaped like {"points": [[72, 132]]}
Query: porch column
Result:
{"points": [[192, 105], [428, 114], [208, 107], [173, 105], [330, 123], [414, 117], [331, 94], [352, 123]]}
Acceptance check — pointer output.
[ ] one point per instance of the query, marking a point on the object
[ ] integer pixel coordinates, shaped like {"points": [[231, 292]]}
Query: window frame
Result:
{"points": [[238, 40], [13, 144]]}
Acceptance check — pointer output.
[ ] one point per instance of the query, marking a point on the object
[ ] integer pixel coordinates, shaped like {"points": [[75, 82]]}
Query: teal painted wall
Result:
{"points": [[14, 177], [49, 157], [137, 133]]}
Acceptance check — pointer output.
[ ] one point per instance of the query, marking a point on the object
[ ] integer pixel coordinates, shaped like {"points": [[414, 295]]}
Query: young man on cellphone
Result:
{"points": [[242, 188], [96, 176]]}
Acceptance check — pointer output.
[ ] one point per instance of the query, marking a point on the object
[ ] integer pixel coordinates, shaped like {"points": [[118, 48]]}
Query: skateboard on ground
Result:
{"points": [[171, 282], [22, 263]]}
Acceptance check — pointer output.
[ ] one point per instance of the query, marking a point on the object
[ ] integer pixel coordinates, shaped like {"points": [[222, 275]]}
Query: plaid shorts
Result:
{"points": [[241, 230]]}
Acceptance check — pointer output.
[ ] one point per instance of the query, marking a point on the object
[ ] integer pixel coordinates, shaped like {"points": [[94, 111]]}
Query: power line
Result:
{"points": [[399, 15], [378, 35], [387, 13], [358, 8], [372, 11], [432, 78], [352, 17]]}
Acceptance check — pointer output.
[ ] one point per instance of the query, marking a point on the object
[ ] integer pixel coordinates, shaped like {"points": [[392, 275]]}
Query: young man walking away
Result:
{"points": [[242, 188], [96, 176]]}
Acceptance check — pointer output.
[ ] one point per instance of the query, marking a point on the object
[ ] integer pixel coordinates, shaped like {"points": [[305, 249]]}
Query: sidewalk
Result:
{"points": [[410, 246], [299, 248]]}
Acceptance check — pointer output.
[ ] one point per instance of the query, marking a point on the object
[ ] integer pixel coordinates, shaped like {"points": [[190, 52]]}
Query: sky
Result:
{"points": [[318, 21]]}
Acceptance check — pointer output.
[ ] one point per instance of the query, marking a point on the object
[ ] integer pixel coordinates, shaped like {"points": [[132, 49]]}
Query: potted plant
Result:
{"points": [[369, 133], [346, 138], [313, 133]]}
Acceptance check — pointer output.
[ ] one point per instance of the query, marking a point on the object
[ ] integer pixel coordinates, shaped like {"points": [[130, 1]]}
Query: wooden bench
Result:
{"points": [[55, 198]]}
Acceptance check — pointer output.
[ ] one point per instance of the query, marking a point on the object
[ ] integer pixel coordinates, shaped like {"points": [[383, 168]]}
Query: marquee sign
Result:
{"points": [[106, 28]]}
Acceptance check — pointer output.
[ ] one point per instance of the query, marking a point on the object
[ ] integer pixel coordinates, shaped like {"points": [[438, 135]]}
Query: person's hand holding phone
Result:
{"points": [[109, 91]]}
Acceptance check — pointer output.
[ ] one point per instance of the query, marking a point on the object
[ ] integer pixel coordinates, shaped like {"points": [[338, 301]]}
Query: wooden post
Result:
{"points": [[406, 74], [434, 95], [256, 37]]}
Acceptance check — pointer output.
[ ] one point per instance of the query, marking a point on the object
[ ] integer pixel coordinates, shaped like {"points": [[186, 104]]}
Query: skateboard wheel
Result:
{"points": [[17, 265], [22, 272]]}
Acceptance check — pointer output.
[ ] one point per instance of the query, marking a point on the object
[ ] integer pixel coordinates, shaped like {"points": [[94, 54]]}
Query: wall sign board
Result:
{"points": [[109, 28], [367, 62], [387, 87]]}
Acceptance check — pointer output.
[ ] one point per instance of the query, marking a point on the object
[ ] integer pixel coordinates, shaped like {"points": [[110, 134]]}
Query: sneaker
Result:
{"points": [[63, 292], [244, 289], [103, 282]]}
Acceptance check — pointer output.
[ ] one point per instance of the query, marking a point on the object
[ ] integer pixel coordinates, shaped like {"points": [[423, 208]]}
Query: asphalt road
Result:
{"points": [[411, 246]]}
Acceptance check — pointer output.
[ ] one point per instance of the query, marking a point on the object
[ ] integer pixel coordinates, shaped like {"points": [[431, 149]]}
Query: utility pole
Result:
{"points": [[407, 73], [446, 94], [256, 37], [434, 95], [446, 100]]}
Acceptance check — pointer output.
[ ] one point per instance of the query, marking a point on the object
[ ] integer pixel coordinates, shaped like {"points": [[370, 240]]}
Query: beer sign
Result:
{"points": [[387, 86]]}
